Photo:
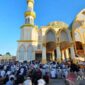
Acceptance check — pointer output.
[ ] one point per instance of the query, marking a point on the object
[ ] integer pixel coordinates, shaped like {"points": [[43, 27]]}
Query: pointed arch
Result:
{"points": [[29, 52], [21, 51], [64, 35], [20, 47], [50, 35]]}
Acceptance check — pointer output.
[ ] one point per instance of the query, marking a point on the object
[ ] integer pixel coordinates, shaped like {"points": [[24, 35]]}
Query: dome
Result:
{"points": [[82, 12], [79, 20], [81, 15], [58, 24]]}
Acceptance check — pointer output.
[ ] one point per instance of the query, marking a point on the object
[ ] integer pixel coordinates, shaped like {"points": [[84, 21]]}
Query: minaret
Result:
{"points": [[25, 44], [30, 14], [29, 21]]}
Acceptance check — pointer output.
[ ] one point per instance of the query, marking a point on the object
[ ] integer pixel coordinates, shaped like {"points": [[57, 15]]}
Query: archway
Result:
{"points": [[21, 53], [50, 45], [65, 44], [64, 40]]}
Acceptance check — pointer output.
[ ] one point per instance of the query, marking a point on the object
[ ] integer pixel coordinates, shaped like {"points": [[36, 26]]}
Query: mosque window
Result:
{"points": [[27, 20]]}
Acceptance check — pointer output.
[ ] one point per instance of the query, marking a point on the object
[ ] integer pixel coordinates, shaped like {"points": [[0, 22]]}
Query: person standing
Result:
{"points": [[41, 81], [27, 81], [11, 81]]}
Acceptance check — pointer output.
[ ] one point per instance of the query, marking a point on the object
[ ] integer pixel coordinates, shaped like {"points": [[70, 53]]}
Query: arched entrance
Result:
{"points": [[50, 45], [64, 45]]}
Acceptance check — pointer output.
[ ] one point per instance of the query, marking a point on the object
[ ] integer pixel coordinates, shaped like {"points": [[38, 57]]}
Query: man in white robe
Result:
{"points": [[41, 82], [28, 81]]}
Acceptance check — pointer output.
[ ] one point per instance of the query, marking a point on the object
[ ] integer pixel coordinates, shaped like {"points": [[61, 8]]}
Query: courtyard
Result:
{"points": [[56, 82]]}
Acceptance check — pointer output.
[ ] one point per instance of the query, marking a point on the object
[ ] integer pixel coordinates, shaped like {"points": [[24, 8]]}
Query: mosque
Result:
{"points": [[56, 41]]}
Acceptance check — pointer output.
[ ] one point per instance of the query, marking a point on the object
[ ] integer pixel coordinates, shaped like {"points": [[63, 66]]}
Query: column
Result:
{"points": [[33, 55], [53, 56], [72, 52], [84, 48], [58, 52], [63, 56], [67, 54], [44, 55]]}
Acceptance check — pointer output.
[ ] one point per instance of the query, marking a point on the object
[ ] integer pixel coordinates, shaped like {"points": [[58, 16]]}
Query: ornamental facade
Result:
{"points": [[56, 41]]}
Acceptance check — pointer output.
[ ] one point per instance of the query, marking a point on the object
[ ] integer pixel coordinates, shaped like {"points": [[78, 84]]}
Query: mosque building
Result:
{"points": [[56, 41]]}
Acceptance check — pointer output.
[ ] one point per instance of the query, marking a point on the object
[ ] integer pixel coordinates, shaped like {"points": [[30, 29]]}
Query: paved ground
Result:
{"points": [[61, 82], [56, 82]]}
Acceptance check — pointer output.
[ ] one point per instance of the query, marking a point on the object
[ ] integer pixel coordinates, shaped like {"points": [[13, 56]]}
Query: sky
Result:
{"points": [[12, 17]]}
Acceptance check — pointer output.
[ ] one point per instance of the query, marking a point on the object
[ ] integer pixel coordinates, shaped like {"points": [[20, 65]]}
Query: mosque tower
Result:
{"points": [[26, 44], [30, 14]]}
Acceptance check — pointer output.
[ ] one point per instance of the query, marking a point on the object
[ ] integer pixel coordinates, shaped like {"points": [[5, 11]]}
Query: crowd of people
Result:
{"points": [[34, 73]]}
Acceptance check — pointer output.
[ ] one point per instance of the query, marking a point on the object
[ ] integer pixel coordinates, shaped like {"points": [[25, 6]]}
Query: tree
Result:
{"points": [[0, 54], [8, 53]]}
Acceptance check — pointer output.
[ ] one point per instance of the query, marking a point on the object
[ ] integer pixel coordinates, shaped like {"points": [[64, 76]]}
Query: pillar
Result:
{"points": [[44, 55], [67, 54], [58, 52], [33, 55], [84, 51], [72, 52], [63, 56], [53, 56], [84, 48]]}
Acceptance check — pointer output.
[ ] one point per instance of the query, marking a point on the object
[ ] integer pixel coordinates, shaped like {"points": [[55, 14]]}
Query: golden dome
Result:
{"points": [[30, 14], [30, 1]]}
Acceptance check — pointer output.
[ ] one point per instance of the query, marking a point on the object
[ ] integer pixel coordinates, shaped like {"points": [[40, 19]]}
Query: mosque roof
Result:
{"points": [[58, 24]]}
